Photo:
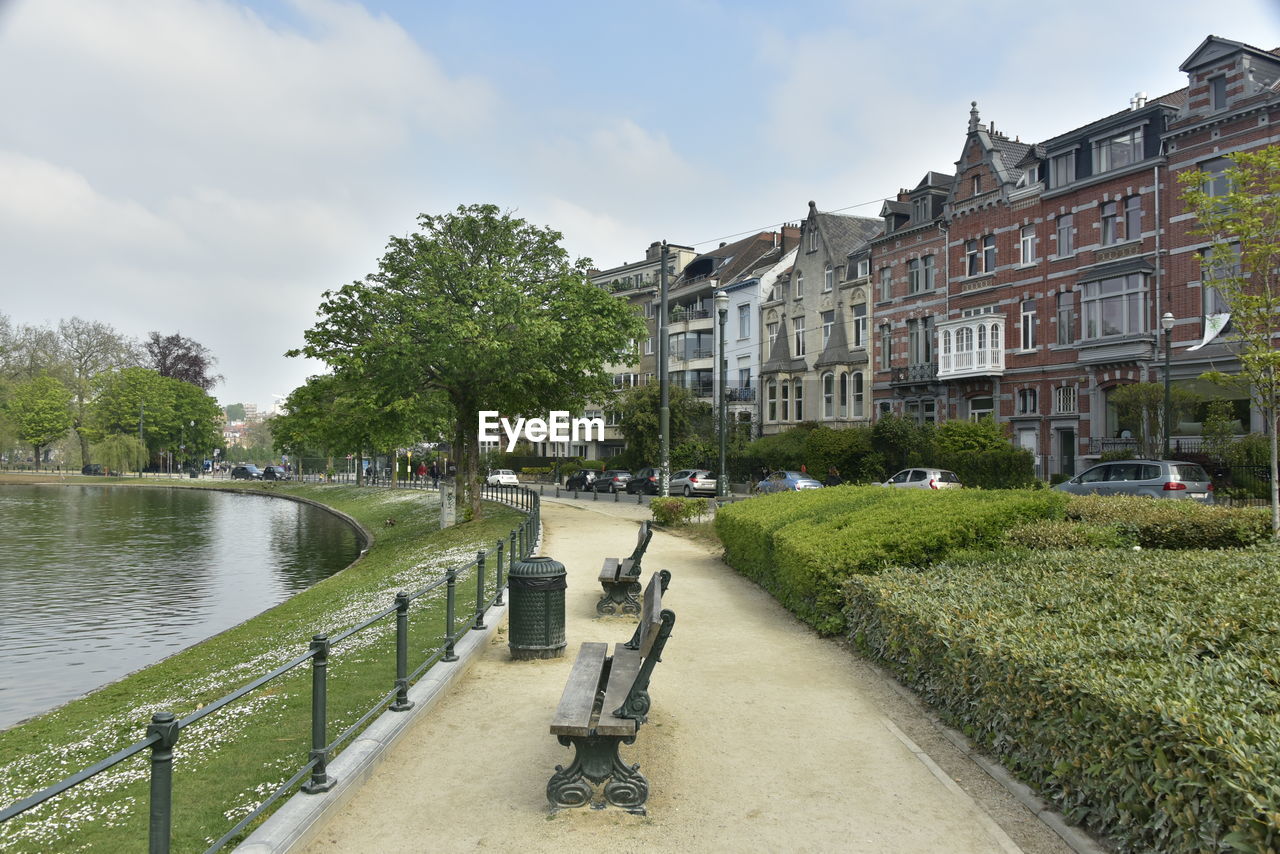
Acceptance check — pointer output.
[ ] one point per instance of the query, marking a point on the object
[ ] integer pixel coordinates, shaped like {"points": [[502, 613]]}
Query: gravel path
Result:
{"points": [[763, 737]]}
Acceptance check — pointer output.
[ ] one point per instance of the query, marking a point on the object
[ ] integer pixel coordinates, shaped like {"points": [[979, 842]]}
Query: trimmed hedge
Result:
{"points": [[1140, 693], [802, 546], [1155, 523]]}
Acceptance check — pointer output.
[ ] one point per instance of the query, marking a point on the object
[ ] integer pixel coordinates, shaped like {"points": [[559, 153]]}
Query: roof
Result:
{"points": [[726, 263], [1176, 99], [844, 233], [780, 356], [936, 179]]}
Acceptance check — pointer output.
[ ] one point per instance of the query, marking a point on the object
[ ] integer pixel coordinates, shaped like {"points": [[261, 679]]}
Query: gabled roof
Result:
{"points": [[837, 350], [892, 206], [780, 356], [727, 262], [940, 180], [845, 233], [1214, 48], [1176, 99]]}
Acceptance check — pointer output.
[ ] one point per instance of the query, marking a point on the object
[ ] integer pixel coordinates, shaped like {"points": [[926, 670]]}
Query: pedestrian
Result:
{"points": [[833, 477], [421, 471], [435, 475]]}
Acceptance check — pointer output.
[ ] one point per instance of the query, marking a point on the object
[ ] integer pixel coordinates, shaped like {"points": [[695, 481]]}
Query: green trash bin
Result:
{"points": [[536, 586]]}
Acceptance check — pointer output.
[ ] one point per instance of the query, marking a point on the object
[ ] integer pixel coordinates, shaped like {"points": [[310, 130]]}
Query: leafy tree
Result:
{"points": [[902, 441], [639, 412], [89, 348], [235, 412], [959, 436], [1140, 410], [119, 453], [181, 358], [1241, 222], [481, 310], [40, 411], [167, 413]]}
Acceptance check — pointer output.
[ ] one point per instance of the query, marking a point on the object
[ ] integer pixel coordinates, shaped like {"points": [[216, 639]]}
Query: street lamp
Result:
{"points": [[1166, 323], [722, 309]]}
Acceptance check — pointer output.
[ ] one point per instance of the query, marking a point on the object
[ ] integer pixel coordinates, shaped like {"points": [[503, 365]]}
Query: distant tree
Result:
{"points": [[902, 441], [121, 453], [484, 311], [639, 411], [181, 358], [40, 411], [1240, 219], [235, 412], [167, 413], [88, 349], [961, 436]]}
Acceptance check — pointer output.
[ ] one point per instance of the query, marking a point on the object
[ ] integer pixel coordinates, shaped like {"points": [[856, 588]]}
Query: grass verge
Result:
{"points": [[226, 764]]}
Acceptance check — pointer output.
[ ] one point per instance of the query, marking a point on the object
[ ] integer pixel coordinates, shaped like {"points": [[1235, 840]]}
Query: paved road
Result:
{"points": [[763, 737]]}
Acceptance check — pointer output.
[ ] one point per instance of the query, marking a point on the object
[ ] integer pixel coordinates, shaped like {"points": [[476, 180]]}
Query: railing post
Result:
{"points": [[497, 577], [511, 553], [402, 703], [164, 725], [451, 584], [320, 780], [479, 623]]}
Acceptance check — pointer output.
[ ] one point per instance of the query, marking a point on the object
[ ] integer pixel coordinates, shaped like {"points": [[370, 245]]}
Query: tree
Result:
{"points": [[482, 311], [235, 412], [1140, 410], [165, 413], [40, 409], [639, 412], [181, 358], [1240, 219], [90, 348]]}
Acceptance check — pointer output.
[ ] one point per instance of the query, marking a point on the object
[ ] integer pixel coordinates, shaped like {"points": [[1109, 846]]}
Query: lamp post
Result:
{"points": [[1166, 323], [722, 480]]}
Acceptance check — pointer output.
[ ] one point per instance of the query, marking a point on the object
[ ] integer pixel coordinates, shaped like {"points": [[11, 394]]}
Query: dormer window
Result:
{"points": [[977, 185], [1062, 169], [920, 208], [1031, 177], [1218, 93], [1118, 151], [813, 238]]}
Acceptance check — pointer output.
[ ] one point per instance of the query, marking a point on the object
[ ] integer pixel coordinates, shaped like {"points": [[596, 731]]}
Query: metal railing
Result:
{"points": [[164, 730]]}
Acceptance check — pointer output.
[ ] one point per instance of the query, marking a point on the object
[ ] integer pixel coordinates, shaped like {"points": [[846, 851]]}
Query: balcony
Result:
{"points": [[925, 372], [971, 347], [744, 393], [680, 315]]}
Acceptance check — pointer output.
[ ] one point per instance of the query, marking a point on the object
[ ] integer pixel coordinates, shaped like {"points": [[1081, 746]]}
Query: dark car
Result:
{"points": [[275, 473], [246, 472], [93, 469], [581, 479], [646, 481], [613, 480]]}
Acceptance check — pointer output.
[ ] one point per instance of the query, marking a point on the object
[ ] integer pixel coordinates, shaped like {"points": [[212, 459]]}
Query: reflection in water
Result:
{"points": [[98, 581]]}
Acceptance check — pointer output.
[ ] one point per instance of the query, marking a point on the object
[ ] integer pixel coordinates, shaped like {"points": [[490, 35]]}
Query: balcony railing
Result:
{"points": [[911, 374], [970, 347], [682, 314], [740, 393]]}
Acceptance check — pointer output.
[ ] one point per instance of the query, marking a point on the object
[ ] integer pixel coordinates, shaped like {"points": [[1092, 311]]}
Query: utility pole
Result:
{"points": [[664, 416]]}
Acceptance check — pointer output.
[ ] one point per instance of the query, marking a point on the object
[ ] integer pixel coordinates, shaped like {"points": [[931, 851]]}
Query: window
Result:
{"points": [[919, 342], [828, 279], [864, 268], [974, 312], [1028, 324], [1066, 235], [977, 185], [858, 395], [1217, 184], [913, 276], [859, 325], [972, 260], [1109, 219], [1027, 245], [799, 284], [1114, 306], [798, 326], [744, 320], [1218, 93], [920, 210], [886, 339], [886, 283], [1118, 151], [813, 237], [1066, 302], [648, 346], [828, 321], [1062, 169], [981, 407], [844, 394], [1133, 218], [786, 400], [650, 309], [1064, 400], [798, 400], [1028, 401], [928, 273], [989, 253], [771, 331], [771, 393], [828, 395]]}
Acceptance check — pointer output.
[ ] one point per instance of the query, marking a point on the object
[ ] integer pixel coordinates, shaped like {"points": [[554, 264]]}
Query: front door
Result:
{"points": [[1067, 451]]}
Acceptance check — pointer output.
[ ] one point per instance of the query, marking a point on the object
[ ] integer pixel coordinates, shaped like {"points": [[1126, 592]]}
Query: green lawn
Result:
{"points": [[227, 763]]}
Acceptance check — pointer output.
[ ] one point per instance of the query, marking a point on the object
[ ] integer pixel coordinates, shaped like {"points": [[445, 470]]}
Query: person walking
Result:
{"points": [[833, 477], [435, 475]]}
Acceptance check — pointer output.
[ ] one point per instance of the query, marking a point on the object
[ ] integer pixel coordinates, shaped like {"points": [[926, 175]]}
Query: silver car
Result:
{"points": [[923, 478], [1152, 478], [787, 481], [688, 482]]}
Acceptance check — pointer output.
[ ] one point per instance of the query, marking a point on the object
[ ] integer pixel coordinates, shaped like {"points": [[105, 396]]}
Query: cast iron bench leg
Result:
{"points": [[596, 759], [621, 597]]}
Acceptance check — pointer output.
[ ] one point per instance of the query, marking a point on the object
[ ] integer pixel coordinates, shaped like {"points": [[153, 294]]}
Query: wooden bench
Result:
{"points": [[620, 578], [603, 705]]}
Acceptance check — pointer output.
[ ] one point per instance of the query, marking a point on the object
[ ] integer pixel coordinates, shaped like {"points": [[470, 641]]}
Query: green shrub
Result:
{"points": [[1005, 467], [1160, 524], [1058, 534], [802, 546], [678, 511], [1138, 693]]}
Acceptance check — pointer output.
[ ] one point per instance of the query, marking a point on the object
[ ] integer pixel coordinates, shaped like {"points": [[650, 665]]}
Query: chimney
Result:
{"points": [[1138, 101]]}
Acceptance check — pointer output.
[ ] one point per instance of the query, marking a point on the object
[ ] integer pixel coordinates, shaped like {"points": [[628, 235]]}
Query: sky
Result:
{"points": [[212, 167]]}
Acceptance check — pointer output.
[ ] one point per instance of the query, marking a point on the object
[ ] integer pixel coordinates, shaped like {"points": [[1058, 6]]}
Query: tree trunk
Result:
{"points": [[36, 449], [1275, 483], [359, 468]]}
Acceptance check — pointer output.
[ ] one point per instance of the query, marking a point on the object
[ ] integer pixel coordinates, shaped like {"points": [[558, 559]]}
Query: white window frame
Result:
{"points": [[1027, 245], [1118, 151], [859, 325], [1065, 232], [1028, 324], [797, 327], [744, 320], [1062, 169], [828, 323], [1065, 400], [1100, 299]]}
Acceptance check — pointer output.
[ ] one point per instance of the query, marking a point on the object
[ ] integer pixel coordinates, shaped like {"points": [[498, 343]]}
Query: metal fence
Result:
{"points": [[165, 729]]}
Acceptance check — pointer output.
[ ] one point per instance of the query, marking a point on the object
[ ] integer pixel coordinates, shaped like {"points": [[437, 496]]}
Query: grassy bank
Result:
{"points": [[226, 764]]}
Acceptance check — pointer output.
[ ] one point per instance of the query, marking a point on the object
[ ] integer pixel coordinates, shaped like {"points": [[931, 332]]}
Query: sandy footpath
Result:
{"points": [[762, 737]]}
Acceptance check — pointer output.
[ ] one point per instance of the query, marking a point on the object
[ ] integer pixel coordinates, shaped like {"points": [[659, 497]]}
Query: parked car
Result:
{"points": [[1152, 478], [612, 480], [503, 477], [787, 481], [246, 472], [581, 479], [690, 482], [924, 479], [275, 473], [93, 469], [646, 480]]}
